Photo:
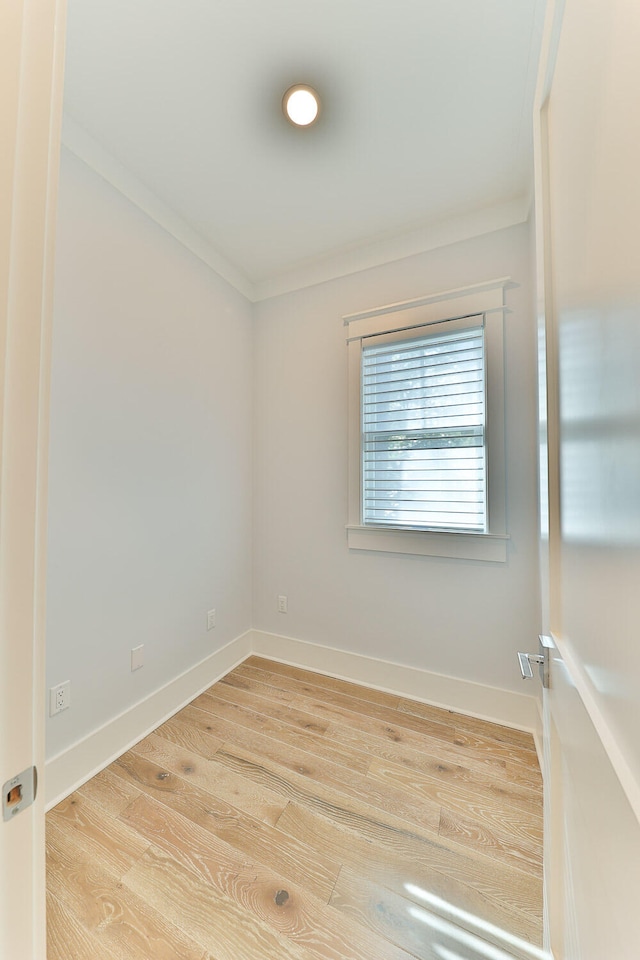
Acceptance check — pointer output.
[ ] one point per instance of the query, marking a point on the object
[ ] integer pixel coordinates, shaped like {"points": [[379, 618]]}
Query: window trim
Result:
{"points": [[485, 298]]}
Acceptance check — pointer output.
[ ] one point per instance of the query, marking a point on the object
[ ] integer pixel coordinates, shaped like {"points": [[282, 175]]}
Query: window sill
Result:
{"points": [[429, 543]]}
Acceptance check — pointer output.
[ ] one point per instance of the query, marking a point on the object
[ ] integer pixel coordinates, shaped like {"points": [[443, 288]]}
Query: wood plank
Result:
{"points": [[418, 708], [296, 915], [246, 681], [323, 697], [514, 774], [199, 851], [218, 778], [461, 721], [398, 734], [475, 779], [439, 729], [67, 939], [275, 709], [524, 776], [390, 727], [425, 930], [305, 740], [356, 690], [108, 792], [121, 921], [399, 861], [253, 840], [322, 773], [112, 843], [189, 736], [194, 738], [492, 842], [213, 919], [516, 826], [293, 815], [388, 915]]}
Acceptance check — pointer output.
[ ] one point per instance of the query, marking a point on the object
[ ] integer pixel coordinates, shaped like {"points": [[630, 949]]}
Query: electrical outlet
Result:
{"points": [[282, 604], [137, 657], [59, 698], [211, 619]]}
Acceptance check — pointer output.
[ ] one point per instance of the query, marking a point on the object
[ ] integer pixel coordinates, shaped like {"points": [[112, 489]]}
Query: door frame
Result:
{"points": [[31, 90], [549, 476]]}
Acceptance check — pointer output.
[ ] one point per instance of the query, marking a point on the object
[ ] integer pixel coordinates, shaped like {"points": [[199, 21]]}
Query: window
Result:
{"points": [[423, 428], [427, 426]]}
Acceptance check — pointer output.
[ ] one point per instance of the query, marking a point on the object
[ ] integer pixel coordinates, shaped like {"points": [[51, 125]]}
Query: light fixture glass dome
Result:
{"points": [[301, 105]]}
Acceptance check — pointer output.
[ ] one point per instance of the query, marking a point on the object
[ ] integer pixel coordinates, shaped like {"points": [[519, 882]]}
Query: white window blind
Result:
{"points": [[423, 428]]}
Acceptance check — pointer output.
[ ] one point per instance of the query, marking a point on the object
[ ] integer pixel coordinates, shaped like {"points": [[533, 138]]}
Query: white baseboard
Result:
{"points": [[465, 696], [69, 769]]}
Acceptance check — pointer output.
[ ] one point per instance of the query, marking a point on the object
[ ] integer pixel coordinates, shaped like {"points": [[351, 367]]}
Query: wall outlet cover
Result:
{"points": [[59, 698]]}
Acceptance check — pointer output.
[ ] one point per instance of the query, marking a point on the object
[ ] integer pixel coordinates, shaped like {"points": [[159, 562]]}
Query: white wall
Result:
{"points": [[150, 472], [462, 618]]}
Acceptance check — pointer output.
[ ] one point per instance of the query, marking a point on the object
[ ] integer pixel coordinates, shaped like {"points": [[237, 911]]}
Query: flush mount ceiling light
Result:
{"points": [[301, 105]]}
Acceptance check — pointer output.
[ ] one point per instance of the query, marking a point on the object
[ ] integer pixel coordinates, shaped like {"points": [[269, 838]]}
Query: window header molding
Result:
{"points": [[487, 297]]}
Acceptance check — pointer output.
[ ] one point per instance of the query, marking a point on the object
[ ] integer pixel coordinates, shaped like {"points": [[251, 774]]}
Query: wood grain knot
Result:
{"points": [[281, 898]]}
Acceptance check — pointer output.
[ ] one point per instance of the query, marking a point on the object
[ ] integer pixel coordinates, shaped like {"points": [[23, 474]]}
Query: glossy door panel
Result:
{"points": [[588, 207]]}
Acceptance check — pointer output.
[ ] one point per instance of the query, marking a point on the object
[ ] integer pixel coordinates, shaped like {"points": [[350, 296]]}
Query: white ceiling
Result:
{"points": [[426, 119]]}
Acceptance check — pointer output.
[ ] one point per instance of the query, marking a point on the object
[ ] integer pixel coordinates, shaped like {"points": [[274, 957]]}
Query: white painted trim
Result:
{"points": [[429, 543], [486, 298], [616, 756], [76, 139], [476, 288], [376, 253], [72, 767], [551, 31], [538, 735], [452, 693], [430, 314], [32, 41], [339, 263]]}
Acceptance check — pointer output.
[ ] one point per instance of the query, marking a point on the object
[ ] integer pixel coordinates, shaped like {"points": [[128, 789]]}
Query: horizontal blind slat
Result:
{"points": [[423, 415], [423, 371]]}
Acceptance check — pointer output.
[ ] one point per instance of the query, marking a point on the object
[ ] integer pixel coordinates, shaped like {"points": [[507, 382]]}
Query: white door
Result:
{"points": [[31, 56], [588, 256]]}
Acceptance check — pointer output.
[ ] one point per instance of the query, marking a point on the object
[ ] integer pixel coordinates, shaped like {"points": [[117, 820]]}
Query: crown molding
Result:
{"points": [[339, 263], [379, 252], [76, 139]]}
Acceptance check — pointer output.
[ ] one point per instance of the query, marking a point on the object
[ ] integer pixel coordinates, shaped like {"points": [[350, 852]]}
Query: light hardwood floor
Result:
{"points": [[289, 815]]}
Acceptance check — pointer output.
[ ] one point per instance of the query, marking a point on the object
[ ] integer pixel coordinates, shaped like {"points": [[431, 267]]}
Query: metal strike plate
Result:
{"points": [[546, 645], [19, 793]]}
